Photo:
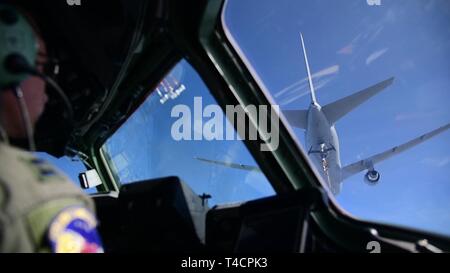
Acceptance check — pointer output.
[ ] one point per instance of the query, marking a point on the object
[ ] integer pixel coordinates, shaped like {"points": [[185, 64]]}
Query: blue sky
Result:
{"points": [[350, 46], [355, 45]]}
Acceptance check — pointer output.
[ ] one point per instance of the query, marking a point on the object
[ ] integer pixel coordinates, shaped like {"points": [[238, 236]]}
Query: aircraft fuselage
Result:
{"points": [[322, 144]]}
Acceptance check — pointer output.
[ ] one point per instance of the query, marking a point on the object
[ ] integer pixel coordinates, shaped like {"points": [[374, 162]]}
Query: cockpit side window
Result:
{"points": [[71, 167], [367, 100], [179, 130]]}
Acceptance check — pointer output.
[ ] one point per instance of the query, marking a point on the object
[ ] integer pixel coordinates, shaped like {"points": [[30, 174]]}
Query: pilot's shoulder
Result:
{"points": [[20, 165]]}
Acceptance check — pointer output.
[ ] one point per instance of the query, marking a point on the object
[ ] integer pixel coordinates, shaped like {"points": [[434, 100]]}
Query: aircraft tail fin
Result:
{"points": [[311, 86], [297, 118], [336, 110]]}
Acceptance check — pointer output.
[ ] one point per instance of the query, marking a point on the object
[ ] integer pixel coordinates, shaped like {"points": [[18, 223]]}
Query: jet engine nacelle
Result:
{"points": [[372, 177]]}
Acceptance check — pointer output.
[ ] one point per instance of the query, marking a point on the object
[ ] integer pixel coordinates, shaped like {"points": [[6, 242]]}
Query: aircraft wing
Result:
{"points": [[361, 165], [336, 110], [231, 165]]}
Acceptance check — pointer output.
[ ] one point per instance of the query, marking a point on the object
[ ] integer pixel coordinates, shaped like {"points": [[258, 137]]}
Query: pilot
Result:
{"points": [[41, 210]]}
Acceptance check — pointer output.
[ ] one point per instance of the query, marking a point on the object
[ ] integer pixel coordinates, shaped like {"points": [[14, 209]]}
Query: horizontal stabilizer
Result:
{"points": [[296, 118], [362, 165], [336, 110], [230, 165]]}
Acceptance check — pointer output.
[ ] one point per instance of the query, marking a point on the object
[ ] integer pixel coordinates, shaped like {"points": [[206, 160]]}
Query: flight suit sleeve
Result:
{"points": [[41, 210]]}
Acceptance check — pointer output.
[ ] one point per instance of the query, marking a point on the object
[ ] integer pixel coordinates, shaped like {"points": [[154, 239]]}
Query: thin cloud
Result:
{"points": [[375, 55], [360, 156], [370, 34], [349, 48], [334, 69], [436, 162], [416, 115], [377, 32], [304, 90], [408, 64], [327, 71], [390, 16], [346, 50]]}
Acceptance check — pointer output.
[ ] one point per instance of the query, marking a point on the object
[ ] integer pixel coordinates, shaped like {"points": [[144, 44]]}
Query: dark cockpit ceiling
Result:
{"points": [[91, 48]]}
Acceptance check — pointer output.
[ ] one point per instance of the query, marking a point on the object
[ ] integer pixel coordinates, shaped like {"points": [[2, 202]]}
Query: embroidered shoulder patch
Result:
{"points": [[73, 230]]}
